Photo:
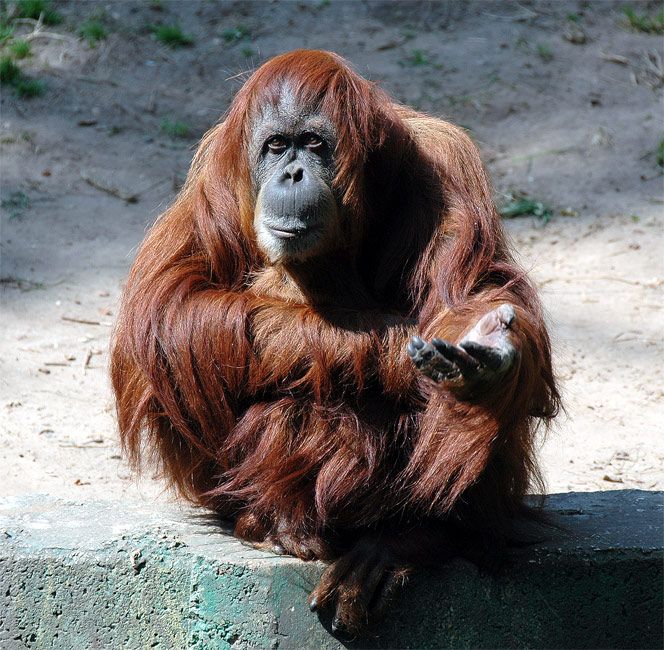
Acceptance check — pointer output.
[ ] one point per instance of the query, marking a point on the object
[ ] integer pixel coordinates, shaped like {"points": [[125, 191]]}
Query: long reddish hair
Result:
{"points": [[273, 408]]}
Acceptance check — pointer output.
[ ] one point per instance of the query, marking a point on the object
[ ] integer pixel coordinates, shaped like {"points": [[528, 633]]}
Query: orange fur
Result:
{"points": [[284, 397]]}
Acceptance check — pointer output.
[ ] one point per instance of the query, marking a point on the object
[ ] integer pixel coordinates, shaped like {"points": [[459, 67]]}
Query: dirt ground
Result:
{"points": [[563, 98]]}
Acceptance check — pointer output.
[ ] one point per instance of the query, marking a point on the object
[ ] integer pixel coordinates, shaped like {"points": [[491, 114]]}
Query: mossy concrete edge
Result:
{"points": [[127, 575]]}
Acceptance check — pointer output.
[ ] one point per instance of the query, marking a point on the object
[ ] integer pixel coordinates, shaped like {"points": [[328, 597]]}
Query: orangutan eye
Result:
{"points": [[276, 144], [312, 141]]}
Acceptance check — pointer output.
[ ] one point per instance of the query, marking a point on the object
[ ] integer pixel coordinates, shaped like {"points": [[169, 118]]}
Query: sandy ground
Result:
{"points": [[574, 125]]}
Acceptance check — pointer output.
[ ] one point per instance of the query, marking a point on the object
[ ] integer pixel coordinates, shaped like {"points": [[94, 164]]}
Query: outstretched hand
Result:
{"points": [[483, 355]]}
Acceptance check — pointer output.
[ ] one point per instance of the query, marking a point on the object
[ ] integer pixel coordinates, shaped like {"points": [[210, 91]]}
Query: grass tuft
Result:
{"points": [[26, 87], [239, 33], [6, 31], [545, 53], [35, 8], [21, 49], [175, 128], [518, 205], [92, 31], [645, 23], [10, 73], [15, 204], [172, 36], [416, 58]]}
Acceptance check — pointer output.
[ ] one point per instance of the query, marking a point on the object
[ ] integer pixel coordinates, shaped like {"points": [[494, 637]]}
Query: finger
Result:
{"points": [[323, 594], [338, 625], [445, 373], [435, 366], [440, 370], [412, 351], [490, 357], [417, 342], [495, 358], [419, 350], [391, 581], [457, 356], [506, 314], [350, 615]]}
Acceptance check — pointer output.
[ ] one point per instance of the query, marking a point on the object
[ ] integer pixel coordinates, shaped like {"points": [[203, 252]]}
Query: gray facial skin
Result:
{"points": [[292, 161]]}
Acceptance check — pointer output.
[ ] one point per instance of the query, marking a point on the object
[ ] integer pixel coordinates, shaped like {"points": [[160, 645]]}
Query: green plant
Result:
{"points": [[36, 8], [174, 128], [574, 18], [239, 33], [247, 51], [6, 31], [16, 204], [26, 87], [92, 30], [21, 48], [172, 36], [644, 22], [416, 58], [659, 153], [544, 52], [522, 44], [10, 73], [518, 205]]}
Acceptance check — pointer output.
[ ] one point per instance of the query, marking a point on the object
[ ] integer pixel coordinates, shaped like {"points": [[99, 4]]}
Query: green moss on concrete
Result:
{"points": [[131, 576]]}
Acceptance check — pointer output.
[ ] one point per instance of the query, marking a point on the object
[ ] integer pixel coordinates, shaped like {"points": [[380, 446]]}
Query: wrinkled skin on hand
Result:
{"points": [[481, 358]]}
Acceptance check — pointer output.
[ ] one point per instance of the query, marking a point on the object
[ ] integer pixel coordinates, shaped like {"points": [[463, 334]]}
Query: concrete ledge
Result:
{"points": [[81, 576]]}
